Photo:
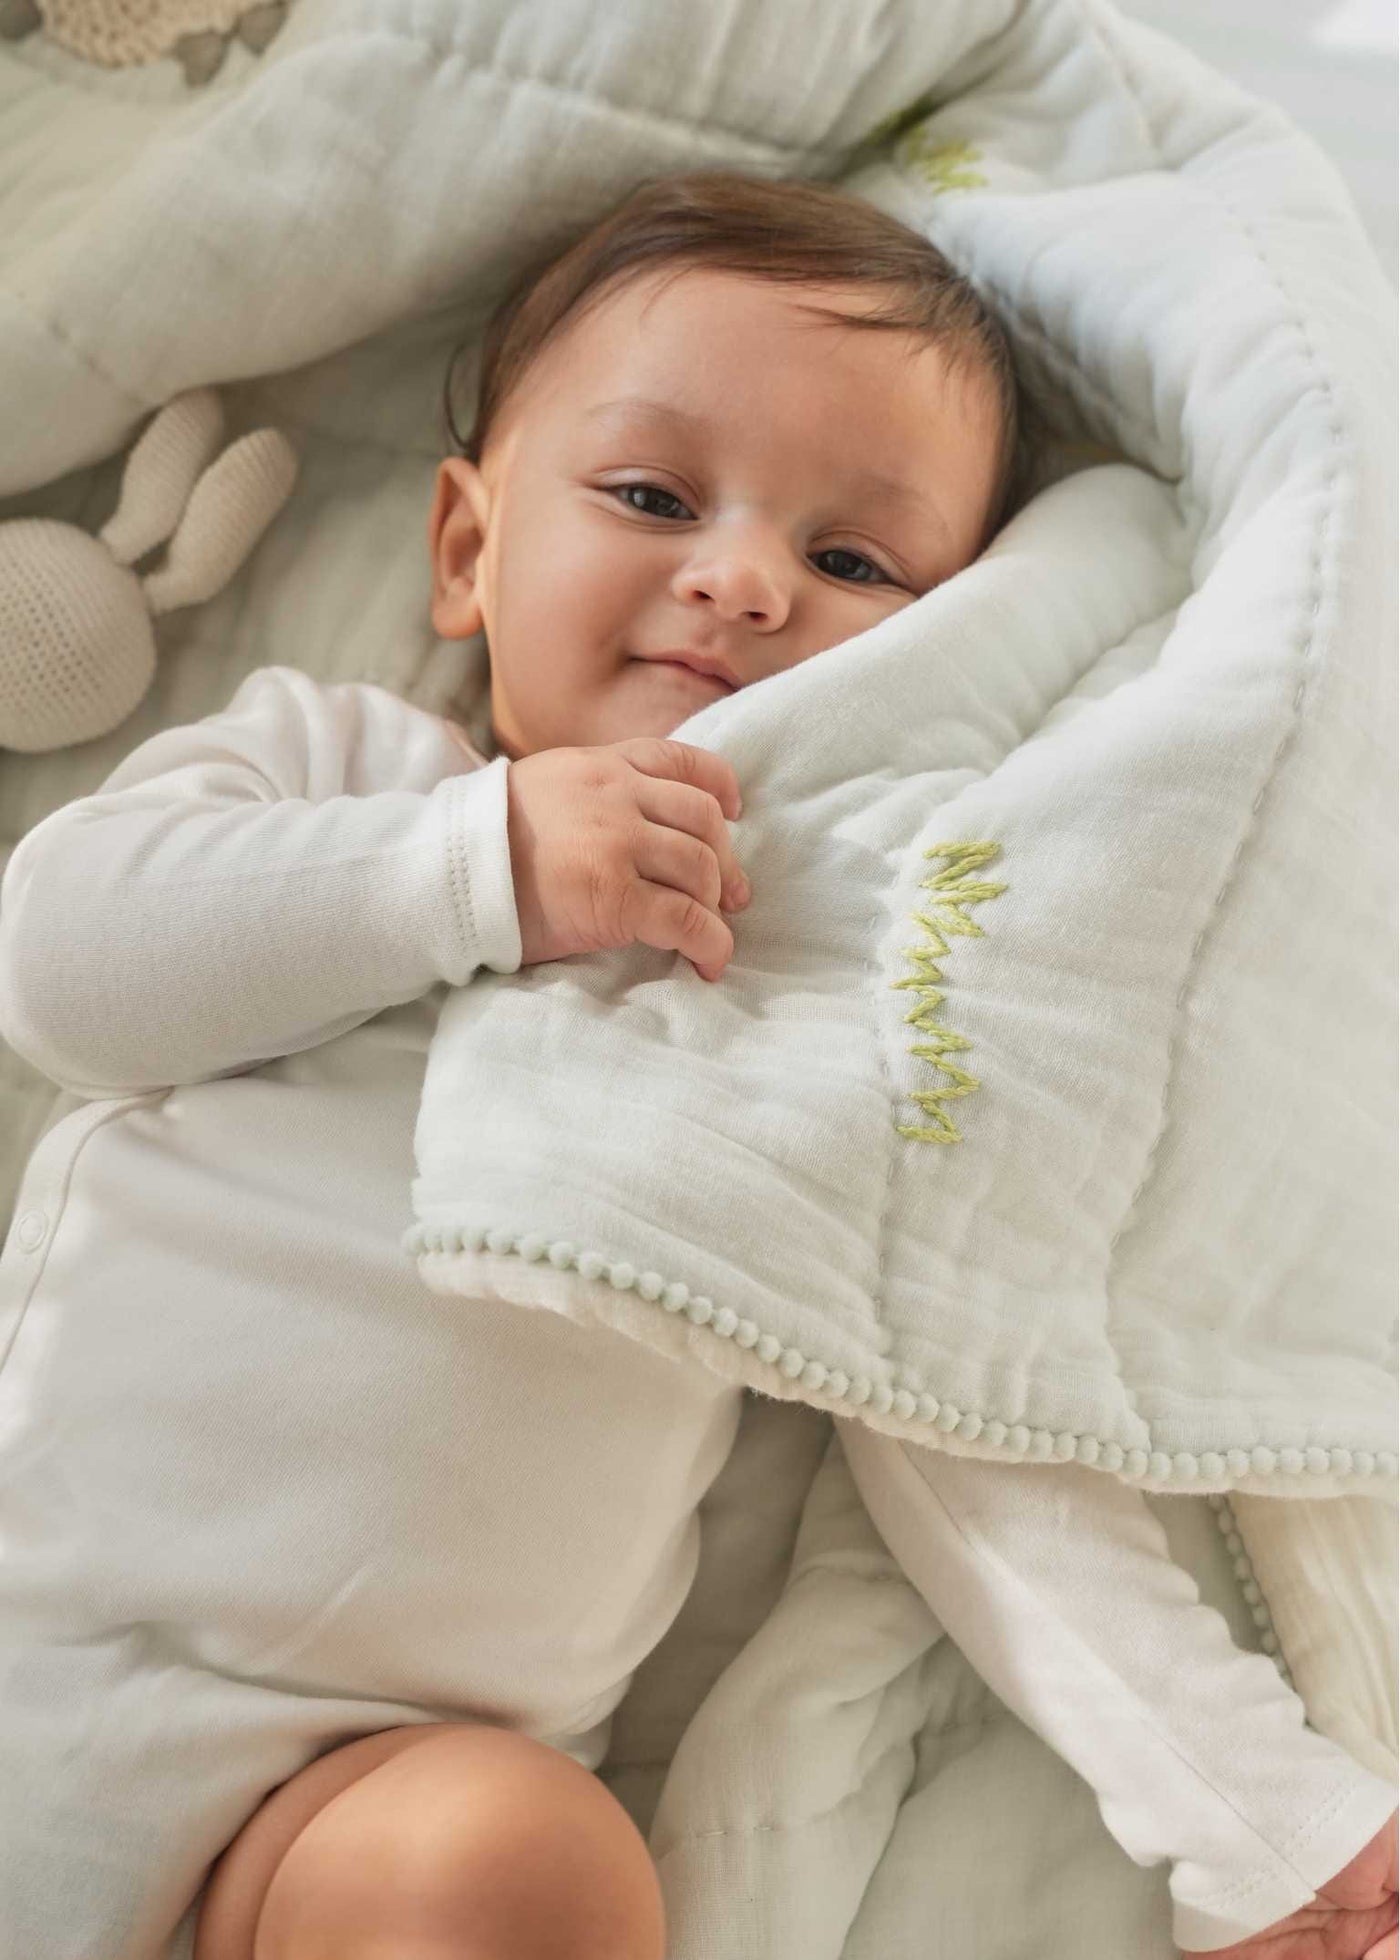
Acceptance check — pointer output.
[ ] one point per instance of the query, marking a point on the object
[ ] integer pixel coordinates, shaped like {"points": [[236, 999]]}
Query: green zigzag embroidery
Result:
{"points": [[943, 165], [919, 110], [951, 890]]}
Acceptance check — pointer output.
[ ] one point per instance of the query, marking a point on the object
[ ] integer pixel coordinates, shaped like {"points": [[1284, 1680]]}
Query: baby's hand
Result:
{"points": [[624, 842], [1353, 1917]]}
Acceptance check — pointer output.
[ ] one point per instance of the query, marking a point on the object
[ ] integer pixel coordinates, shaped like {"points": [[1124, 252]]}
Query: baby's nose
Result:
{"points": [[739, 587]]}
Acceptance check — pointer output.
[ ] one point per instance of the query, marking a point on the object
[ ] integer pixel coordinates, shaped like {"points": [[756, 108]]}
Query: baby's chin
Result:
{"points": [[654, 697]]}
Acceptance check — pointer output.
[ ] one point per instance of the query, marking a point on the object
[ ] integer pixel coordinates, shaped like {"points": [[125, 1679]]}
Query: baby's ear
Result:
{"points": [[456, 533]]}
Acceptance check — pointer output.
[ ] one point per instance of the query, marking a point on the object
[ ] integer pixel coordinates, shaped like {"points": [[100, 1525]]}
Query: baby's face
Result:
{"points": [[699, 467]]}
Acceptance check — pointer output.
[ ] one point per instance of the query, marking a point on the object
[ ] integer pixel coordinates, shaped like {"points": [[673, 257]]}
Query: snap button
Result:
{"points": [[31, 1230]]}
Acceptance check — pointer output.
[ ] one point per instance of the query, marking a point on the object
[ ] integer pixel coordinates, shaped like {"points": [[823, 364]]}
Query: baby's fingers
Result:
{"points": [[686, 842], [682, 762], [689, 864], [672, 921]]}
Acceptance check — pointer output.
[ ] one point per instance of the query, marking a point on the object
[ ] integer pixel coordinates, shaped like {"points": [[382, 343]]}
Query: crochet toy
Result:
{"points": [[77, 648], [123, 33]]}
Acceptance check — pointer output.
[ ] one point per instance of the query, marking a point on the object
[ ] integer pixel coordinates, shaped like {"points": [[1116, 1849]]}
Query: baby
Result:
{"points": [[287, 1587]]}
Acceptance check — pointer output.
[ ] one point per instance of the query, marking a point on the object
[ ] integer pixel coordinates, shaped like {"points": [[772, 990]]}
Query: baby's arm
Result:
{"points": [[1058, 1584], [251, 885]]}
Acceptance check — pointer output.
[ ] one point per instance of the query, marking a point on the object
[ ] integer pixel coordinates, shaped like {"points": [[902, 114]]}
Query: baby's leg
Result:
{"points": [[443, 1841], [1058, 1584]]}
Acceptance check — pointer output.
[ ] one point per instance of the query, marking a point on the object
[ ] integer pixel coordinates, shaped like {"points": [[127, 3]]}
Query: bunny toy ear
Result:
{"points": [[160, 473], [232, 505]]}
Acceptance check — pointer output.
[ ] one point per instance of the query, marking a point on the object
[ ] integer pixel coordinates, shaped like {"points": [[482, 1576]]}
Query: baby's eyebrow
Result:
{"points": [[890, 490], [873, 484], [627, 406]]}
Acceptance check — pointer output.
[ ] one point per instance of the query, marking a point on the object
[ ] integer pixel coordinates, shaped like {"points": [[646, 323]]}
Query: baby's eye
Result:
{"points": [[853, 557], [626, 490], [642, 491]]}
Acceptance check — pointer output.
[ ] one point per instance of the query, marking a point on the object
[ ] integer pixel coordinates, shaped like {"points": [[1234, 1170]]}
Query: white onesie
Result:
{"points": [[262, 1491]]}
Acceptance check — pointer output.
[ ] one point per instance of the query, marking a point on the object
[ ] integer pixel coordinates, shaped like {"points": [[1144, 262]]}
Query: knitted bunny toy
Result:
{"points": [[77, 649]]}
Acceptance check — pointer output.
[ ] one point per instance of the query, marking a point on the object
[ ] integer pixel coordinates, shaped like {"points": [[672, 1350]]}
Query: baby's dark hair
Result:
{"points": [[788, 230]]}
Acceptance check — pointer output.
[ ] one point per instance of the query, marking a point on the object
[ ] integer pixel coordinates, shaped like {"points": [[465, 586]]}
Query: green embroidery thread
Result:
{"points": [[943, 165], [894, 125], [951, 890]]}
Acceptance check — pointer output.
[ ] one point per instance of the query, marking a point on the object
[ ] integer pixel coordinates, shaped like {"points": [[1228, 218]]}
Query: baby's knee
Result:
{"points": [[476, 1842]]}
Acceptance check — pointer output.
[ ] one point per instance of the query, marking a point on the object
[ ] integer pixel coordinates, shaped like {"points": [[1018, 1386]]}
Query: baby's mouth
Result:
{"points": [[714, 681]]}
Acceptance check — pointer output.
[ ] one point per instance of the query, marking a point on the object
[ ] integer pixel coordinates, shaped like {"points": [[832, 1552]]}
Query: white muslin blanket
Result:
{"points": [[1045, 1109]]}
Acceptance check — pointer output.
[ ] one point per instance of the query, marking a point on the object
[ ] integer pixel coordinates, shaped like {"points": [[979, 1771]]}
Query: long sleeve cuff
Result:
{"points": [[188, 926], [479, 869], [1059, 1586], [1284, 1880]]}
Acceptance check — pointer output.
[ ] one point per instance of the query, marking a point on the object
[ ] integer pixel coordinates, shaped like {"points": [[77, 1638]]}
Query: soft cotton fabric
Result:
{"points": [[262, 1490], [991, 1183]]}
